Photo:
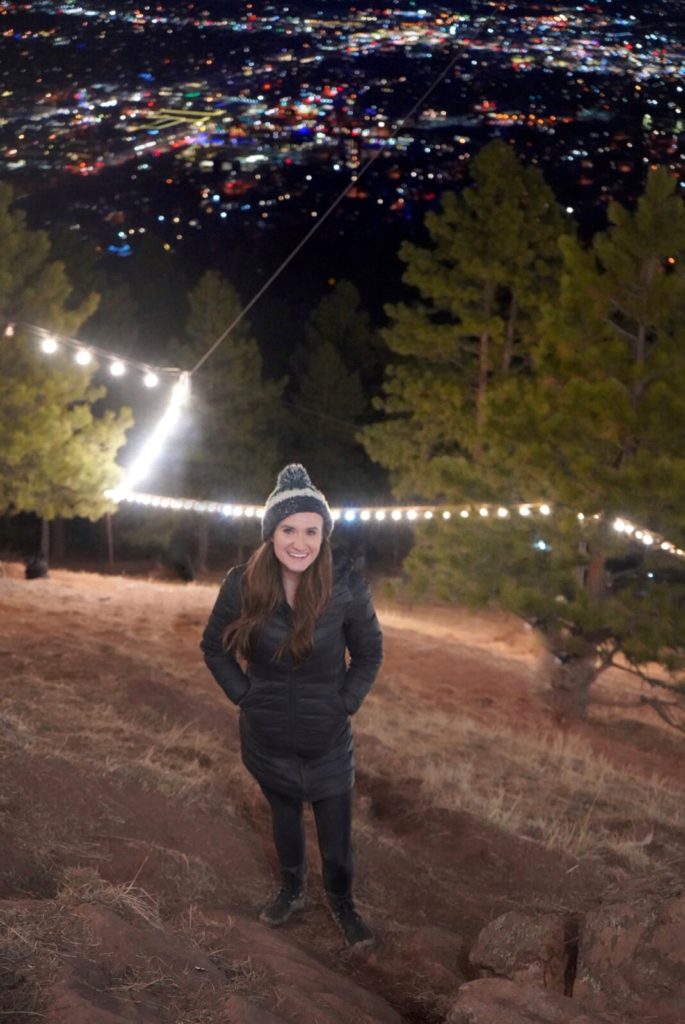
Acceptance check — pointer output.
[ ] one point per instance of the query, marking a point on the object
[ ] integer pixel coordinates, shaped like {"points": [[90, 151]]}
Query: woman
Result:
{"points": [[289, 616]]}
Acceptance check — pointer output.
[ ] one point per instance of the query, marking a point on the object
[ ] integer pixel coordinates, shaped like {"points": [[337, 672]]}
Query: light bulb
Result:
{"points": [[49, 345], [150, 380], [117, 368], [83, 357]]}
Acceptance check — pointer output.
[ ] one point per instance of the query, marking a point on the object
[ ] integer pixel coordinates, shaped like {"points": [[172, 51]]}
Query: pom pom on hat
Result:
{"points": [[294, 492]]}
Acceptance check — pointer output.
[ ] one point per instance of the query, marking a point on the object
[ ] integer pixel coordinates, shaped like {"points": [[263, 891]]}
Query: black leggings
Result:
{"points": [[333, 818]]}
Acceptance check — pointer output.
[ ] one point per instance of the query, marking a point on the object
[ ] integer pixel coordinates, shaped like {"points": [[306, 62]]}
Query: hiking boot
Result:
{"points": [[357, 933], [289, 899]]}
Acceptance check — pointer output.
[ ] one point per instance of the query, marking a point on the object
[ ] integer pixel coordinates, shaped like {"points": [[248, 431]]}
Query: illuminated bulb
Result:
{"points": [[260, 513], [581, 517], [619, 525], [396, 514], [524, 510], [412, 514], [545, 510], [647, 538], [117, 368], [9, 331], [665, 546], [638, 534], [366, 515], [349, 515], [150, 380], [502, 513], [155, 442], [482, 511], [249, 512], [226, 509], [446, 515], [335, 514], [49, 345], [428, 514], [380, 516], [464, 513], [83, 357]]}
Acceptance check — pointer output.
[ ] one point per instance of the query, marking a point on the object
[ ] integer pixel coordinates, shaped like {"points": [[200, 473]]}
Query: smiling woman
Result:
{"points": [[278, 642]]}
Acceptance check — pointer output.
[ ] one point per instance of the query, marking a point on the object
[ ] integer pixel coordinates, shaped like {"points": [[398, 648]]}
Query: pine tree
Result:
{"points": [[601, 421], [492, 261], [340, 319], [335, 371], [56, 456], [597, 427], [231, 449]]}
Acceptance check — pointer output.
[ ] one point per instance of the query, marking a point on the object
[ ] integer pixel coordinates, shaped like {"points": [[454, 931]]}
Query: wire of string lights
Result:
{"points": [[87, 354]]}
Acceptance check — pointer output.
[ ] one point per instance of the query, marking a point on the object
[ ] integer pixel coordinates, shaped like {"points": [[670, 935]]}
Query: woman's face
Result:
{"points": [[297, 540]]}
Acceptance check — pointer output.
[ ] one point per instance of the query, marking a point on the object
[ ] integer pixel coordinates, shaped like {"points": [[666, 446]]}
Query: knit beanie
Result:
{"points": [[294, 492]]}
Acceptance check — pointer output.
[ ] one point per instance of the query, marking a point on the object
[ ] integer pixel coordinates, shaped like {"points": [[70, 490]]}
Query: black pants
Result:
{"points": [[333, 817]]}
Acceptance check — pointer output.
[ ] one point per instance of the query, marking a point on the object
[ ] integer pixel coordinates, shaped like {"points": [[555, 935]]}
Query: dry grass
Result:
{"points": [[550, 787], [54, 718], [85, 885]]}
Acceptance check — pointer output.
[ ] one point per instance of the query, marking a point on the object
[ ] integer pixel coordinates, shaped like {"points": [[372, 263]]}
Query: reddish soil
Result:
{"points": [[120, 755]]}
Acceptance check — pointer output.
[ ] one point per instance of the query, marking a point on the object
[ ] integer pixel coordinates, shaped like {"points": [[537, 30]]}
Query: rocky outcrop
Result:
{"points": [[499, 1001], [632, 952], [535, 949]]}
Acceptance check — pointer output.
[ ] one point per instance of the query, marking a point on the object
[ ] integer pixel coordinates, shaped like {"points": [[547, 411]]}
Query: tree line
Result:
{"points": [[522, 364]]}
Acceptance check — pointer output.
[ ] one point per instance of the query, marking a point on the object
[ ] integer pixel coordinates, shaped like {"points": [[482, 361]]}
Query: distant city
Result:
{"points": [[186, 121]]}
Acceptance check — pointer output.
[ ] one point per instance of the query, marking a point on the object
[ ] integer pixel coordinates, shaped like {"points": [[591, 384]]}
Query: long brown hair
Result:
{"points": [[262, 592]]}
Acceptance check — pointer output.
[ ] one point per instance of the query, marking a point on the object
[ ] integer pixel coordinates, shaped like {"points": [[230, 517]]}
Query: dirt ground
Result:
{"points": [[122, 792]]}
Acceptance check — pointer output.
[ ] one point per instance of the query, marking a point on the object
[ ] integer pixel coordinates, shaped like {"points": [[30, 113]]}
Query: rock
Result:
{"points": [[499, 1001], [632, 953], [240, 1010], [436, 955], [528, 948], [303, 989], [129, 950]]}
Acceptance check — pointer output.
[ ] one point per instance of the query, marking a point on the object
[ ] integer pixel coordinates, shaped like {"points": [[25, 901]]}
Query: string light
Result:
{"points": [[396, 514], [86, 354], [152, 447]]}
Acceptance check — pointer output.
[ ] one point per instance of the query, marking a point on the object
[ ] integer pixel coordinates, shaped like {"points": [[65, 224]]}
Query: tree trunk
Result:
{"points": [[508, 350], [59, 545], [202, 543], [570, 682], [45, 538], [483, 370], [110, 541]]}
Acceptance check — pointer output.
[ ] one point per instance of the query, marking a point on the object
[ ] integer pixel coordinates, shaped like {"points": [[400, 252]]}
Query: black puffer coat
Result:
{"points": [[294, 722]]}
